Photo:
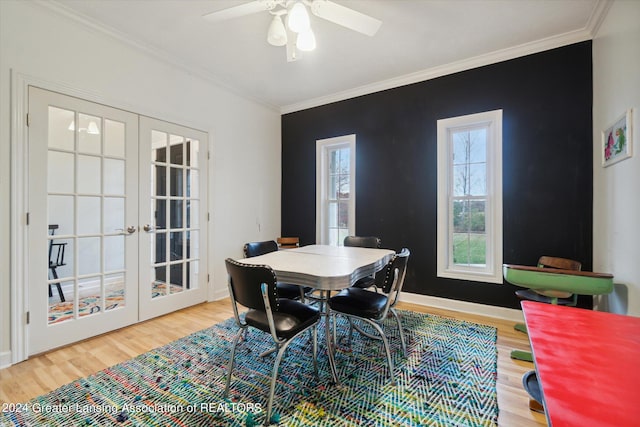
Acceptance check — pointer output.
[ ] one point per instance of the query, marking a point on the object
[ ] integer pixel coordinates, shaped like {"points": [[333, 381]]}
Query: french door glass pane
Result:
{"points": [[89, 134], [61, 172], [113, 138], [89, 174], [60, 129], [88, 215]]}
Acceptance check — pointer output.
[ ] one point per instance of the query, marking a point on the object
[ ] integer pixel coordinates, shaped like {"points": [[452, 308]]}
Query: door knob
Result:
{"points": [[148, 228], [131, 229]]}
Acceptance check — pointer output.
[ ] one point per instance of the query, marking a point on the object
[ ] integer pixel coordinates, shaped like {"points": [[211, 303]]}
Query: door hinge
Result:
{"points": [[28, 119], [208, 216], [28, 317], [208, 155], [208, 277], [27, 218]]}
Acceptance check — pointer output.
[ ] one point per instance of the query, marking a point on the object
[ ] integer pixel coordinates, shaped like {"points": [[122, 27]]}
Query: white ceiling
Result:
{"points": [[418, 39]]}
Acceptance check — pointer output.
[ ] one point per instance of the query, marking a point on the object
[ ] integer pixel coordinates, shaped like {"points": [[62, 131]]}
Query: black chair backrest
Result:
{"points": [[363, 241], [246, 281], [259, 248], [384, 278]]}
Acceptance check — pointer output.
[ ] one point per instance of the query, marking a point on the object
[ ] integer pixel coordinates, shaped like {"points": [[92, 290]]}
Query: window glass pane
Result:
{"points": [[193, 183], [344, 161], [89, 174], [176, 278], [113, 138], [113, 214], [114, 176], [343, 186], [60, 173], [61, 129], [333, 161], [193, 244], [175, 213], [160, 213], [333, 187], [114, 291], [159, 247], [176, 147], [193, 152], [176, 246], [160, 181], [89, 215], [90, 296], [114, 253], [60, 258], [61, 214], [176, 181], [478, 179], [193, 275], [158, 146], [89, 255], [89, 134], [193, 213], [470, 146], [343, 214]]}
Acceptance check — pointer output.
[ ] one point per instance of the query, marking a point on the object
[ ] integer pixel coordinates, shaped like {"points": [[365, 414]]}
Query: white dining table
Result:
{"points": [[325, 268]]}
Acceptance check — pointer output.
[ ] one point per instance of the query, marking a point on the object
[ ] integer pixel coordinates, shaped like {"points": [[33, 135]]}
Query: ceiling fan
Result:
{"points": [[297, 34]]}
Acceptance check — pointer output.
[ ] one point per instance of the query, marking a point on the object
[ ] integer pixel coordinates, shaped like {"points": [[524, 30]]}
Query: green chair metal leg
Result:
{"points": [[521, 327]]}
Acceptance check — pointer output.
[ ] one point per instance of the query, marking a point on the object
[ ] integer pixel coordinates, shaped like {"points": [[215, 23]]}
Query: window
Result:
{"points": [[470, 197], [335, 188]]}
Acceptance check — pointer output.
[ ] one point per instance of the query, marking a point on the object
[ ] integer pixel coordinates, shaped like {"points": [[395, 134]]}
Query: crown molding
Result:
{"points": [[158, 54]]}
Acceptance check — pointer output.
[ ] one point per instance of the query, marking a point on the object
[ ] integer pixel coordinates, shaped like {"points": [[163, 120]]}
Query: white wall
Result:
{"points": [[245, 182], [616, 198]]}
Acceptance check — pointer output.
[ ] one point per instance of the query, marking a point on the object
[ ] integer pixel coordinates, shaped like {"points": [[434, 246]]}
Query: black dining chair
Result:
{"points": [[372, 307], [363, 242], [254, 287], [285, 290]]}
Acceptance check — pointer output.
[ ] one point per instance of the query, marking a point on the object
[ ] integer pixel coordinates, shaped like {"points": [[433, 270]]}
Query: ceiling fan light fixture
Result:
{"points": [[277, 35], [306, 40], [298, 20]]}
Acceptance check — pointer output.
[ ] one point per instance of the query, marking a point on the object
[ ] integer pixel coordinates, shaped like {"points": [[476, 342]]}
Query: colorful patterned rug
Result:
{"points": [[448, 379]]}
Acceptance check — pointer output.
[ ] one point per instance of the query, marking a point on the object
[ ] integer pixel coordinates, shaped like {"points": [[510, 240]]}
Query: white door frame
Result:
{"points": [[19, 140]]}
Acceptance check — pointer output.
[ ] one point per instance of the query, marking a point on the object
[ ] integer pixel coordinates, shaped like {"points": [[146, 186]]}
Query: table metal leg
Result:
{"points": [[329, 340]]}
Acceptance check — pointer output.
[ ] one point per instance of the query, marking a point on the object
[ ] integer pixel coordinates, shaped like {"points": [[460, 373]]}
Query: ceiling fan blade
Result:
{"points": [[254, 6], [345, 16]]}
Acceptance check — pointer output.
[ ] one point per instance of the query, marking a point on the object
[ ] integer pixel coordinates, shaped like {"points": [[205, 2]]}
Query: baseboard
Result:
{"points": [[463, 306], [219, 294], [5, 359]]}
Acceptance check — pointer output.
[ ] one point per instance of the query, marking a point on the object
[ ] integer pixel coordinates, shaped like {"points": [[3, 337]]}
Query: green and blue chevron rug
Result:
{"points": [[448, 379]]}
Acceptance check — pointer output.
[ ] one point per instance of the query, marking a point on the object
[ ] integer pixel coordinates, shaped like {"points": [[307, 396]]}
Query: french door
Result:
{"points": [[106, 219]]}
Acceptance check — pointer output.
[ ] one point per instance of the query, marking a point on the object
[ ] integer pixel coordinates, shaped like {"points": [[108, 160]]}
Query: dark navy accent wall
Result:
{"points": [[546, 100]]}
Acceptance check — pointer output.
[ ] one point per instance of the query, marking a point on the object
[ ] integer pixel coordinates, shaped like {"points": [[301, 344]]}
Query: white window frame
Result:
{"points": [[323, 147], [492, 272]]}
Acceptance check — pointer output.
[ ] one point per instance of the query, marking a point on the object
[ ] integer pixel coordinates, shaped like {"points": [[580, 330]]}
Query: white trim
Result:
{"points": [[503, 313], [19, 183], [492, 272], [322, 146], [5, 359]]}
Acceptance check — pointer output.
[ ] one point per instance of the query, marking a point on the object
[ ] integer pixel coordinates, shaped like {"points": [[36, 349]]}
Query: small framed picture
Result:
{"points": [[617, 140]]}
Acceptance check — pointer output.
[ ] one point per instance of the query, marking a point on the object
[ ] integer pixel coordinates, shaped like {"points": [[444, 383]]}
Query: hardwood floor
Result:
{"points": [[45, 372]]}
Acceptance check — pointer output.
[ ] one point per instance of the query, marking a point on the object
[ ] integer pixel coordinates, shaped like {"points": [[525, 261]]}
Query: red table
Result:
{"points": [[588, 365]]}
